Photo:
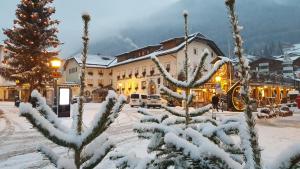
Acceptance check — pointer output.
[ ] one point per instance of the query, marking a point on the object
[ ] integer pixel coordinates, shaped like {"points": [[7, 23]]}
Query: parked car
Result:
{"points": [[137, 99], [154, 101], [75, 98]]}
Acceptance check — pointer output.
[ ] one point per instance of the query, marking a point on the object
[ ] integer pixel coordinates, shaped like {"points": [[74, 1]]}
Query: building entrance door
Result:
{"points": [[152, 87]]}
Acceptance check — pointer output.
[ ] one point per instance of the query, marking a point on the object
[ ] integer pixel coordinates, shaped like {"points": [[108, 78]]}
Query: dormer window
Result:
{"points": [[195, 51], [168, 67]]}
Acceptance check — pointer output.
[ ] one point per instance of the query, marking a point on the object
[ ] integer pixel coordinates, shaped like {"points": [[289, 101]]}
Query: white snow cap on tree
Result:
{"points": [[185, 12]]}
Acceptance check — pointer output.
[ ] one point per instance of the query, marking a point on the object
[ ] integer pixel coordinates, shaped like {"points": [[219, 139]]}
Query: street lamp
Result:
{"points": [[55, 65], [218, 79]]}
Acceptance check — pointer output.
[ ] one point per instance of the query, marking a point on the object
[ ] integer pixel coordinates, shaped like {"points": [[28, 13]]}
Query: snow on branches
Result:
{"points": [[253, 158], [44, 119], [89, 145], [184, 138], [206, 143]]}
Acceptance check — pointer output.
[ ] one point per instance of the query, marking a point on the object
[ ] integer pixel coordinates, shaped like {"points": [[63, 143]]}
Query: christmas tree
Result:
{"points": [[183, 138], [89, 145], [31, 44]]}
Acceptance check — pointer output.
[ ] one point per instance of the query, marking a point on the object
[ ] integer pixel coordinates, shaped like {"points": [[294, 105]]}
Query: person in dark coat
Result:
{"points": [[17, 101], [215, 102]]}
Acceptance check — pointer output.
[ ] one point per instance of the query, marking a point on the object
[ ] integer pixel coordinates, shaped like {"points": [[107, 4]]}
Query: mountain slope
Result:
{"points": [[265, 21]]}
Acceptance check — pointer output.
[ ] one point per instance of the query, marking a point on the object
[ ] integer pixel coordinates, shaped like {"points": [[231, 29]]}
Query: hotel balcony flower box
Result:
{"points": [[152, 72]]}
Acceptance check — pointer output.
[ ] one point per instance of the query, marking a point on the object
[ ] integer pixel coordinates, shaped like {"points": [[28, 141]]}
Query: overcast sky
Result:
{"points": [[108, 16]]}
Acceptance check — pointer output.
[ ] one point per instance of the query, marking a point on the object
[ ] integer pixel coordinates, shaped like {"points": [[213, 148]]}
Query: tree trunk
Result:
{"points": [[77, 158]]}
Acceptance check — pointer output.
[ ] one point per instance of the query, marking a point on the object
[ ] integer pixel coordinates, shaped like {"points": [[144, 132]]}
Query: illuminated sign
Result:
{"points": [[64, 96]]}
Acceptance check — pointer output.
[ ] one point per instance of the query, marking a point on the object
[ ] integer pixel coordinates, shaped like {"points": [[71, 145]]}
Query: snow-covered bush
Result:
{"points": [[185, 138], [89, 145]]}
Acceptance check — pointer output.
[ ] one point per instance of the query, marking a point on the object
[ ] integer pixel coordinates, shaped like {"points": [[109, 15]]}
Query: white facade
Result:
{"points": [[287, 67], [263, 68]]}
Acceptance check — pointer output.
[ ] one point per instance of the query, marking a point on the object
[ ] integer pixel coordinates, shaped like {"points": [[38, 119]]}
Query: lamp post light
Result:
{"points": [[218, 79], [55, 65]]}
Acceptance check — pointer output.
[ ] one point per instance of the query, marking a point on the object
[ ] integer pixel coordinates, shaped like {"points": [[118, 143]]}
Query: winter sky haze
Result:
{"points": [[108, 16]]}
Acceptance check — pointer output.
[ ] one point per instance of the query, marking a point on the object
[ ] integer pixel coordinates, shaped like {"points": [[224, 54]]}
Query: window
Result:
{"points": [[195, 51], [168, 67], [144, 84], [152, 70], [100, 72], [90, 73], [144, 71], [134, 96], [73, 70]]}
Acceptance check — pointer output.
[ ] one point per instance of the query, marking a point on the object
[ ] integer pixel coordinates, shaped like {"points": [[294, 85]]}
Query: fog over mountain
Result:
{"points": [[264, 21]]}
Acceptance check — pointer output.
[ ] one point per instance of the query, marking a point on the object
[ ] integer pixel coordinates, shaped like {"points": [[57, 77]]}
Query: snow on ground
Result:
{"points": [[18, 140]]}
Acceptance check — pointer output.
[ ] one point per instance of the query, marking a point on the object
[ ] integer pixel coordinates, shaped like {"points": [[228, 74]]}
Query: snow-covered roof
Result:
{"points": [[292, 52], [94, 61], [294, 49], [291, 57], [161, 52], [251, 58]]}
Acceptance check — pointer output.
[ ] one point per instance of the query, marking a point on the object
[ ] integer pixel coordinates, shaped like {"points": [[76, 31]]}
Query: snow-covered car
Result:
{"points": [[154, 101], [137, 99]]}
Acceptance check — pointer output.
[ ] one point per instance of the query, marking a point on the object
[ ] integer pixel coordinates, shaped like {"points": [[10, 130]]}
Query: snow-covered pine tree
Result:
{"points": [[31, 44], [89, 145], [290, 158], [252, 154], [183, 138]]}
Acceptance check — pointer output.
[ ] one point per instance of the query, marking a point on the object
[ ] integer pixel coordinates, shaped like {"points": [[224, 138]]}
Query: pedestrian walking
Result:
{"points": [[215, 102]]}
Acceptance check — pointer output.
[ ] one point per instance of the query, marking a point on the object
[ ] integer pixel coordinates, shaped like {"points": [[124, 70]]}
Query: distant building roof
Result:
{"points": [[293, 53], [95, 61], [161, 51]]}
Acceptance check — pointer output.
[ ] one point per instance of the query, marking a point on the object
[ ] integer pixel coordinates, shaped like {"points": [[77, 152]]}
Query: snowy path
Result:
{"points": [[18, 140]]}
